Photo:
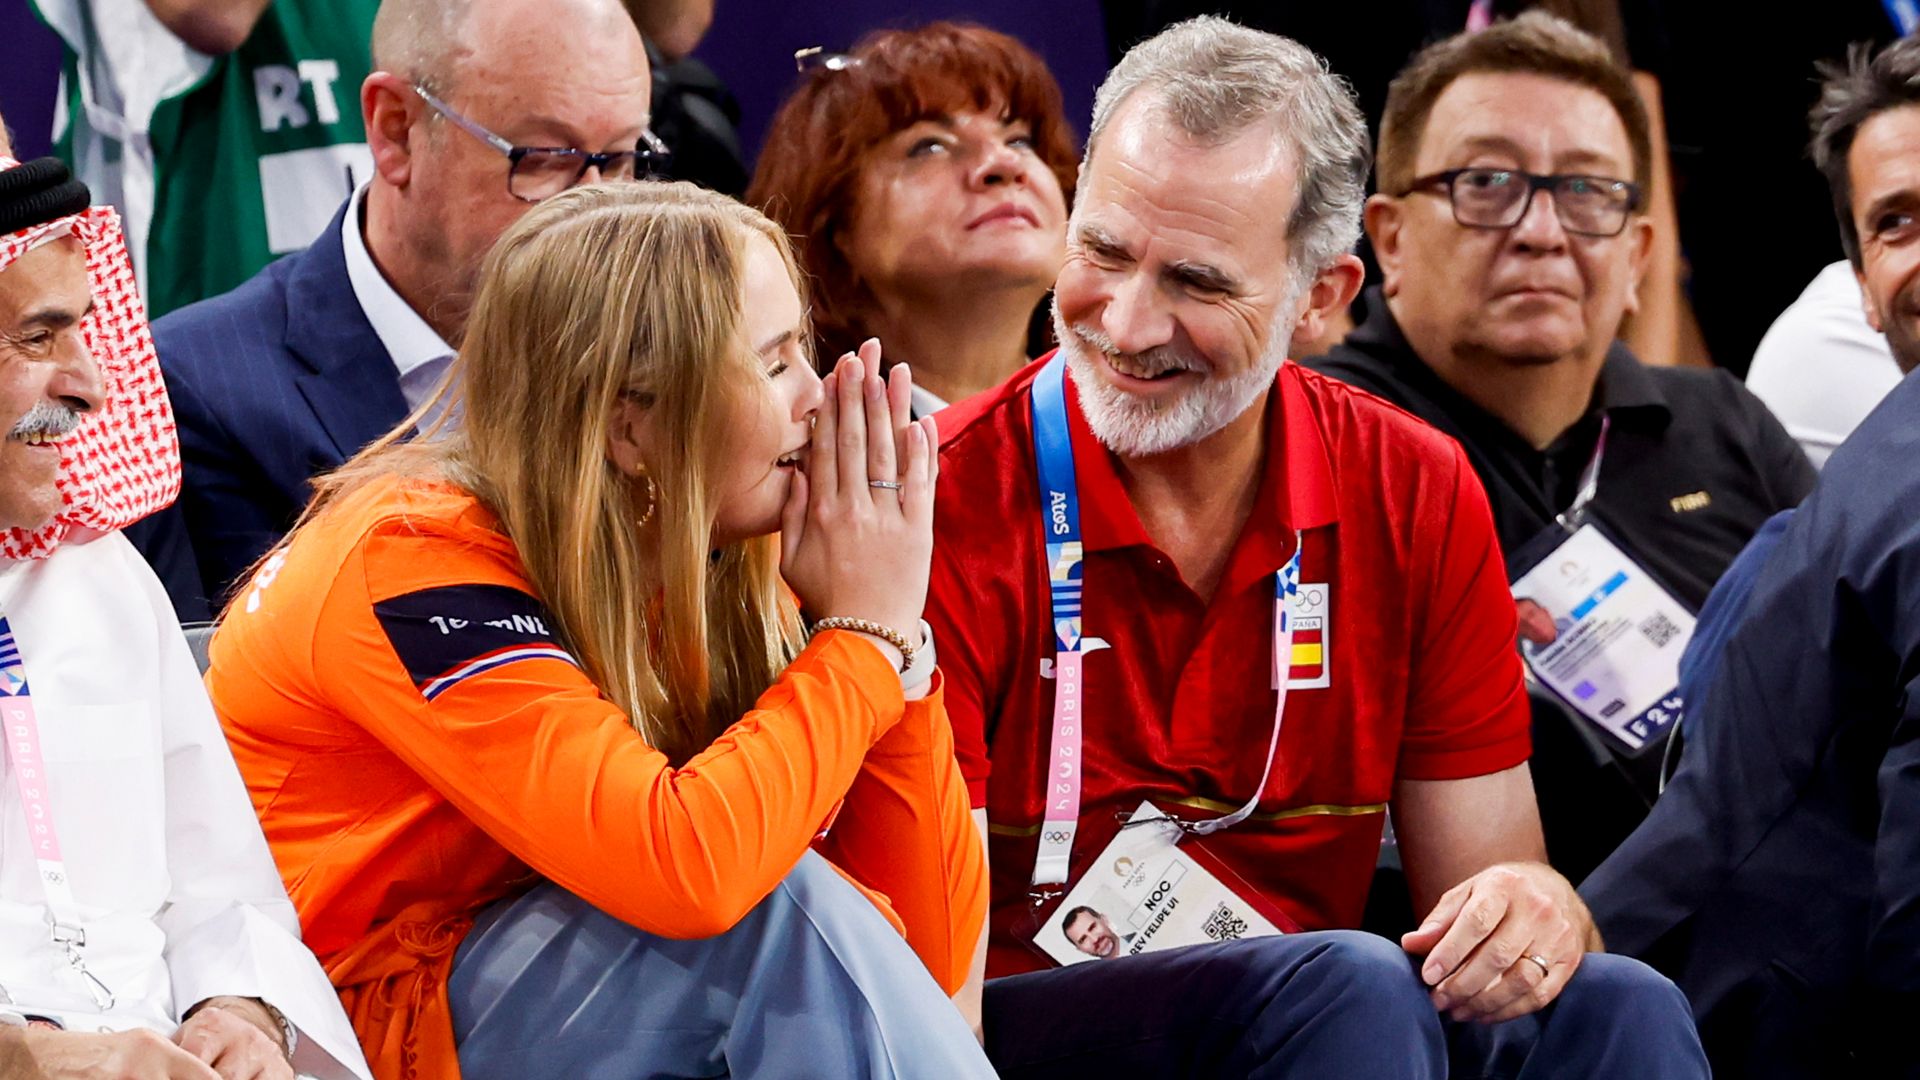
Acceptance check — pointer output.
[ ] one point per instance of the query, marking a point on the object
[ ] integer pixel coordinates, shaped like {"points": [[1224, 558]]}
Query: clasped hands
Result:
{"points": [[857, 530], [1503, 943], [225, 1039]]}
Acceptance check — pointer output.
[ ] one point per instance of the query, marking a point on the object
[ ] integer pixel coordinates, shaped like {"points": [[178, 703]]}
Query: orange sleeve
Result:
{"points": [[534, 756], [906, 830]]}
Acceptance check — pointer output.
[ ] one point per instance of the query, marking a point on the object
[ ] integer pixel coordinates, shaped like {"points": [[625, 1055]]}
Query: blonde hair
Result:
{"points": [[600, 293]]}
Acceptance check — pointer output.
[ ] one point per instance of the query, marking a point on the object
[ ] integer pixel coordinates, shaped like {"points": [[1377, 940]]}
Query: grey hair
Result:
{"points": [[1216, 79]]}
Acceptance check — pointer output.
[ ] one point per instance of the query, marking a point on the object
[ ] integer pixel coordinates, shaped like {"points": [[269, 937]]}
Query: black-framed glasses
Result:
{"points": [[1485, 198], [818, 58], [541, 172]]}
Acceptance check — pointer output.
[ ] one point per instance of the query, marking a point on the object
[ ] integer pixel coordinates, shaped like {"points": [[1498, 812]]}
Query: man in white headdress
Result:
{"points": [[144, 931]]}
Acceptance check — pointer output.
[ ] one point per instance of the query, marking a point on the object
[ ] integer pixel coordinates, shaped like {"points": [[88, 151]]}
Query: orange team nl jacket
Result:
{"points": [[419, 744]]}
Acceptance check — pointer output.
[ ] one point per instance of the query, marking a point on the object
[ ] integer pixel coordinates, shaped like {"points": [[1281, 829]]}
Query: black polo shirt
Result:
{"points": [[1693, 464]]}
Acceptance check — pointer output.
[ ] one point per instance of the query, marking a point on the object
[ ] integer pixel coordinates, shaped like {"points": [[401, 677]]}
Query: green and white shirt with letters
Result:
{"points": [[218, 164]]}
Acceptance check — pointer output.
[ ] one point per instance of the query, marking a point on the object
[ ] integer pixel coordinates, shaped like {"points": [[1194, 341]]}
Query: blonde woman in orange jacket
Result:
{"points": [[560, 781]]}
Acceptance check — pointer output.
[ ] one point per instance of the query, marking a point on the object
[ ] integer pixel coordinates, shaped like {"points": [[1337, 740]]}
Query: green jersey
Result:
{"points": [[218, 164]]}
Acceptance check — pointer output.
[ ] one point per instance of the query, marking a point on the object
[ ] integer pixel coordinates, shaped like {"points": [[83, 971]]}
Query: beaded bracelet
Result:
{"points": [[867, 626]]}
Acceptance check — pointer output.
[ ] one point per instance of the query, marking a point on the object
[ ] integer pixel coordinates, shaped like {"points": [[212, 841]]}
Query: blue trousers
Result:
{"points": [[1327, 1004], [812, 983]]}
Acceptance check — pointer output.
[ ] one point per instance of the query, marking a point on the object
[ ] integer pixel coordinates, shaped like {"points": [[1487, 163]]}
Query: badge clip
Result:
{"points": [[72, 939]]}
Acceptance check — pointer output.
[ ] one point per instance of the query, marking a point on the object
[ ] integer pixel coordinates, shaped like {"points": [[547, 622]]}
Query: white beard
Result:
{"points": [[1134, 427]]}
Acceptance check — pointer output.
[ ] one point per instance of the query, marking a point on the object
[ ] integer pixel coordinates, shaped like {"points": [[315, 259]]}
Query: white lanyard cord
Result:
{"points": [[1575, 515], [1286, 587]]}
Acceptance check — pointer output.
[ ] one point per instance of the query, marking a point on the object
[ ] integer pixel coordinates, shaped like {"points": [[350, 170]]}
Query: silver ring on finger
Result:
{"points": [[1541, 963], [890, 485]]}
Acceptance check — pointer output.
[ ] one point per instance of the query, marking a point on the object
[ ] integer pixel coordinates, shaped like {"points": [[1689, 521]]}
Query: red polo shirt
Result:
{"points": [[1424, 681]]}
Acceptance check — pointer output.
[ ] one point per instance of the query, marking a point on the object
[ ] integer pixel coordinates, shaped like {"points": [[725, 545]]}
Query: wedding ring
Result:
{"points": [[1541, 962], [888, 484]]}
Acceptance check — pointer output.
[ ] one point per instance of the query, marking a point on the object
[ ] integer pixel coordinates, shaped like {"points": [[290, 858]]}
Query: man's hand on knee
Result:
{"points": [[1502, 943]]}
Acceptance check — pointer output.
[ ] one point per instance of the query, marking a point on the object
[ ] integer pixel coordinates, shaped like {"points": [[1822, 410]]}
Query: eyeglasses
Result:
{"points": [[1500, 198], [805, 60], [541, 172]]}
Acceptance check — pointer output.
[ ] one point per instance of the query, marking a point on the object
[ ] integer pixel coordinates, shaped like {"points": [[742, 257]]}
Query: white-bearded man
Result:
{"points": [[144, 931]]}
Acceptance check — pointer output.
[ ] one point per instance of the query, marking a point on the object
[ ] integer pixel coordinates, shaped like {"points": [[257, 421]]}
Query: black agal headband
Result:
{"points": [[38, 192]]}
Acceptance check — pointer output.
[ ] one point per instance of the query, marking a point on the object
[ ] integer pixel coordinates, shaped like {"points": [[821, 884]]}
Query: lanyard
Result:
{"points": [[1575, 515], [1060, 523], [22, 728], [1904, 13]]}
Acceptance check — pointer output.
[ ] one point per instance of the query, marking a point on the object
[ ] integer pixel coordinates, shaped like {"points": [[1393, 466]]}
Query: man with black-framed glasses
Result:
{"points": [[475, 112], [1514, 167]]}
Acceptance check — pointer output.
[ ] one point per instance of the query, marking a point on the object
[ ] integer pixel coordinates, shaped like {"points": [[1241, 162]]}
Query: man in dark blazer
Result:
{"points": [[471, 117], [279, 380], [1777, 880]]}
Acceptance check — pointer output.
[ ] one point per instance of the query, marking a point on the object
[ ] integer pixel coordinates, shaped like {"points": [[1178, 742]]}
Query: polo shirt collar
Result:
{"points": [[1296, 485], [1626, 386]]}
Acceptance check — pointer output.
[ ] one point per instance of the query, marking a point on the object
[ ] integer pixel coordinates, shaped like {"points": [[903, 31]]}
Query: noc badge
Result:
{"points": [[1146, 893]]}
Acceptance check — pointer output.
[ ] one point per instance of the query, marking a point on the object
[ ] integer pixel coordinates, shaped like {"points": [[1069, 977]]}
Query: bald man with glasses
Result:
{"points": [[1514, 168]]}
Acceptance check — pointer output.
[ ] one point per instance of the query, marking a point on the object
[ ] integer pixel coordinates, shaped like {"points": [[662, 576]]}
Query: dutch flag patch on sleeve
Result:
{"points": [[447, 635]]}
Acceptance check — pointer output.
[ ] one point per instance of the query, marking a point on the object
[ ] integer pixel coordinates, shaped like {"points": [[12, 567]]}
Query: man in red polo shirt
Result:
{"points": [[1174, 571]]}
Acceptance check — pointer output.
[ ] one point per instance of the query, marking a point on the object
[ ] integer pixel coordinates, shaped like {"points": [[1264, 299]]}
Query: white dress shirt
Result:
{"points": [[175, 888], [418, 352], [1822, 368]]}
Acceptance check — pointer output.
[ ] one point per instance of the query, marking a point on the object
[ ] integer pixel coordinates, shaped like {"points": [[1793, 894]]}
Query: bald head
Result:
{"points": [[419, 39], [437, 42]]}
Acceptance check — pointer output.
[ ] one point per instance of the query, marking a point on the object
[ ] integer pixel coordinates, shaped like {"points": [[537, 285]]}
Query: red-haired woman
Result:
{"points": [[925, 175]]}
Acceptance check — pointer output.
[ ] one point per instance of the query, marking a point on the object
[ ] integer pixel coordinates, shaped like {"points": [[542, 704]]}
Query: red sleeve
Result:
{"points": [[533, 754], [1467, 712]]}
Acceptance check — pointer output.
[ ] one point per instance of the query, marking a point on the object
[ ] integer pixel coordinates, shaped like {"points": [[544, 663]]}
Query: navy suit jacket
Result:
{"points": [[279, 380], [1777, 880]]}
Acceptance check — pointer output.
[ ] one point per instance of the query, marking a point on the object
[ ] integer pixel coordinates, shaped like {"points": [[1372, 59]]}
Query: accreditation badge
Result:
{"points": [[1601, 633], [1147, 892]]}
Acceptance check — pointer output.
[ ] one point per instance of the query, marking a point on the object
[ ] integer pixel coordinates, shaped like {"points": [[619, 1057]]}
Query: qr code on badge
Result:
{"points": [[1659, 629], [1224, 925]]}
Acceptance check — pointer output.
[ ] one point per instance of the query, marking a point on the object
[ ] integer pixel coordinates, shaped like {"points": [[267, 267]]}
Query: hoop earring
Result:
{"points": [[653, 502]]}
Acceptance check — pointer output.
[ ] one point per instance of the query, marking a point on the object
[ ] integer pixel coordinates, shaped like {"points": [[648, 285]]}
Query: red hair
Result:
{"points": [[819, 140]]}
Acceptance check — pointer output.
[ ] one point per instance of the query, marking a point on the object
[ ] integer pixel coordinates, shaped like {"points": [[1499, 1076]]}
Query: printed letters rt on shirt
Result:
{"points": [[447, 635]]}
